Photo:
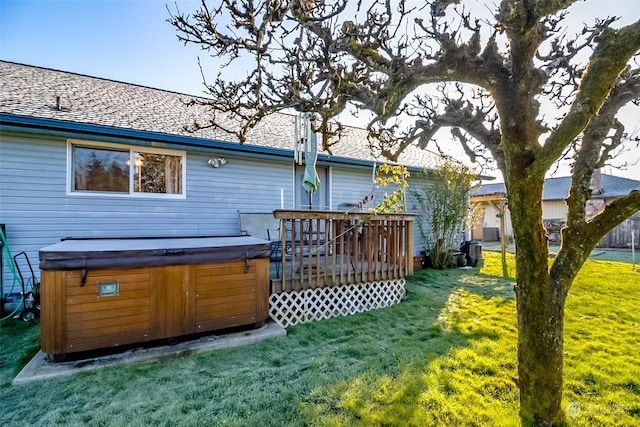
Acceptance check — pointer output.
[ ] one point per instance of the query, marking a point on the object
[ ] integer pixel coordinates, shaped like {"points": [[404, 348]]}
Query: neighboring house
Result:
{"points": [[605, 188], [83, 156]]}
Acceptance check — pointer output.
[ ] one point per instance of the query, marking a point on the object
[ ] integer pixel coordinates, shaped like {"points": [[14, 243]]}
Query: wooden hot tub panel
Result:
{"points": [[231, 294], [95, 321], [149, 303]]}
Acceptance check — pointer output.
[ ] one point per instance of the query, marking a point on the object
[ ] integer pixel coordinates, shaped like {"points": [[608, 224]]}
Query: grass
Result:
{"points": [[446, 356], [599, 254]]}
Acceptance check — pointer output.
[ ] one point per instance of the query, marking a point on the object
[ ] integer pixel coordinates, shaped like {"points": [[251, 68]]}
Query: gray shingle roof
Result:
{"points": [[489, 189], [613, 186], [558, 188], [31, 91]]}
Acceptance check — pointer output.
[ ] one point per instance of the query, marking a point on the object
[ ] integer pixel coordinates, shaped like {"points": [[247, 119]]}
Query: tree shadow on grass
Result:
{"points": [[454, 364], [440, 357]]}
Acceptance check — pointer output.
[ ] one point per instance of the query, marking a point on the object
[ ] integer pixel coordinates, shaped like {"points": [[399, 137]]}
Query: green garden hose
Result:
{"points": [[12, 267]]}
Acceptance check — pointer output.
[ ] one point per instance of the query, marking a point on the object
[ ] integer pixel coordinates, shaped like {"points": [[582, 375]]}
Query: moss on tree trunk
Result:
{"points": [[540, 362], [540, 306]]}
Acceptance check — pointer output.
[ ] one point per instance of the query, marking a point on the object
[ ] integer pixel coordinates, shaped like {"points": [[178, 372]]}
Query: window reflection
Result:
{"points": [[157, 173], [100, 170]]}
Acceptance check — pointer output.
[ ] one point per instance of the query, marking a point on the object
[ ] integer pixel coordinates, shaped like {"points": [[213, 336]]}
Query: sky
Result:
{"points": [[131, 41]]}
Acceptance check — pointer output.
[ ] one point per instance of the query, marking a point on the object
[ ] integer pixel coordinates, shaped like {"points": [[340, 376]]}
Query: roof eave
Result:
{"points": [[61, 128], [69, 129]]}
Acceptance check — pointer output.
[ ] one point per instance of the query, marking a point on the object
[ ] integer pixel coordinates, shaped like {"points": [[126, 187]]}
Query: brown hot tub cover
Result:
{"points": [[74, 254]]}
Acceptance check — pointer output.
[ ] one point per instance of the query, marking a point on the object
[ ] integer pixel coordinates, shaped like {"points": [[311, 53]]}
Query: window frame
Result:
{"points": [[71, 143]]}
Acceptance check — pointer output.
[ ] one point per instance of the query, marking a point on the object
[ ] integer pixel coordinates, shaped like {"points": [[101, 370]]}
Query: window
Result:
{"points": [[120, 170], [97, 169], [157, 173]]}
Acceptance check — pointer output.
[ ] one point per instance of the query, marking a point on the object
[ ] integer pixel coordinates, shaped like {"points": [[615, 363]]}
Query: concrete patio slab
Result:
{"points": [[40, 368]]}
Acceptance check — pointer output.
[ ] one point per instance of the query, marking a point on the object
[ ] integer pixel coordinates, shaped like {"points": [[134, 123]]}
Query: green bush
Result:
{"points": [[444, 211]]}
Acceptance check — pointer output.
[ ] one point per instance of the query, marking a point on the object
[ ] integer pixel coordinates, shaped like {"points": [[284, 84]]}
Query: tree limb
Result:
{"points": [[579, 240], [614, 50], [593, 150]]}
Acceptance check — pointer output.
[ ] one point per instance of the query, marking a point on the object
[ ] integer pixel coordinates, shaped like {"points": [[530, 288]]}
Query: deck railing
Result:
{"points": [[329, 248]]}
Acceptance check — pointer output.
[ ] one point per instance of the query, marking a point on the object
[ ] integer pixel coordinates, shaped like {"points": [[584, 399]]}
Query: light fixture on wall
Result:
{"points": [[216, 162]]}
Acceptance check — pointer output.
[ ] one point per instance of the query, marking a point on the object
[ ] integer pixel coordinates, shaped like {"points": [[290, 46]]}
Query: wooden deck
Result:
{"points": [[342, 273], [329, 248]]}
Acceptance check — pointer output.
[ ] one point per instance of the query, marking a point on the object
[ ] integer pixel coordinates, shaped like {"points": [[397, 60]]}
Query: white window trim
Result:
{"points": [[131, 148]]}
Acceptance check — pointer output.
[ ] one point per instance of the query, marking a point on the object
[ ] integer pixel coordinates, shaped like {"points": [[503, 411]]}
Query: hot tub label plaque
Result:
{"points": [[106, 289]]}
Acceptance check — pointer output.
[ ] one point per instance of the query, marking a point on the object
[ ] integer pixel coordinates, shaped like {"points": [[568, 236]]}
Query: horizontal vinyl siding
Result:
{"points": [[351, 186], [38, 212], [554, 210], [415, 185]]}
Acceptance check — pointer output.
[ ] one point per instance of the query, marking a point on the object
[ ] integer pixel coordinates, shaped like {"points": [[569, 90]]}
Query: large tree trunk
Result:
{"points": [[540, 305], [540, 348]]}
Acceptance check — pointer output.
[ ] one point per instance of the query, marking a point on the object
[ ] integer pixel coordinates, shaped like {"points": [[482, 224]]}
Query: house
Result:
{"points": [[605, 188], [83, 156]]}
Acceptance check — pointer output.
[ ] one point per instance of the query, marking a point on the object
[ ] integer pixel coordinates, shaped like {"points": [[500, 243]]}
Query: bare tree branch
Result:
{"points": [[611, 56], [586, 235], [497, 74]]}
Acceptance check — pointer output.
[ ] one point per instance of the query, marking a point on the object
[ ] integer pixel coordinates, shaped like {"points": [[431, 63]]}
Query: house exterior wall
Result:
{"points": [[351, 186], [554, 209], [491, 220], [554, 214], [551, 210], [37, 210]]}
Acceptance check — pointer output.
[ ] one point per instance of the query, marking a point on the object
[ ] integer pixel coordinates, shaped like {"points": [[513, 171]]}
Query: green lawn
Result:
{"points": [[446, 356]]}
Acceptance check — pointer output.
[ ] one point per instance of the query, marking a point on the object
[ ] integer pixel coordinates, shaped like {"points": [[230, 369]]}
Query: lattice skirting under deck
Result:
{"points": [[293, 307]]}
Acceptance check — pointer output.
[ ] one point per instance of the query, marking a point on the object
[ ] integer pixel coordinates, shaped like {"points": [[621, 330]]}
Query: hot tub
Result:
{"points": [[99, 293]]}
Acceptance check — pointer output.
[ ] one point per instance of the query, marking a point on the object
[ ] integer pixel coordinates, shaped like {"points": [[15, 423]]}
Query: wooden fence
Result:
{"points": [[620, 237]]}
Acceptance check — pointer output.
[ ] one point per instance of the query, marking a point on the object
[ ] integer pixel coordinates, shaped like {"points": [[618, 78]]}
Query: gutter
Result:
{"points": [[66, 129]]}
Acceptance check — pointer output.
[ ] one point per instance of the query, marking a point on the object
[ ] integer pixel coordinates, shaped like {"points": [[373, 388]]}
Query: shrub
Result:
{"points": [[444, 211]]}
